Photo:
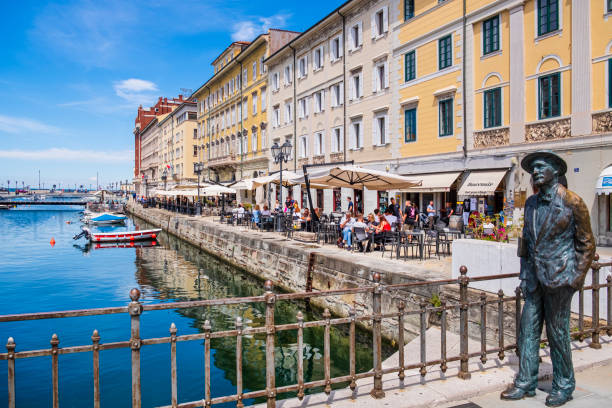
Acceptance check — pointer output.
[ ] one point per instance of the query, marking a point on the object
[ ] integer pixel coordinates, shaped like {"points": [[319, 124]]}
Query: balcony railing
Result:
{"points": [[372, 317]]}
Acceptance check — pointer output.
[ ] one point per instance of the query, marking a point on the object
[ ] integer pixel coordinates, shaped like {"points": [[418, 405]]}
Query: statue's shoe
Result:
{"points": [[557, 398], [515, 393]]}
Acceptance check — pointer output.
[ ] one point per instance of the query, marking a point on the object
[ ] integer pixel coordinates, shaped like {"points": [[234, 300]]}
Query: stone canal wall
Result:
{"points": [[288, 263]]}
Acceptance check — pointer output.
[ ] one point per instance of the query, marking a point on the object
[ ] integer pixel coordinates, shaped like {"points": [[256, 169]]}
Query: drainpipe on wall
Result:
{"points": [[208, 131], [242, 85], [344, 99], [294, 112], [463, 95]]}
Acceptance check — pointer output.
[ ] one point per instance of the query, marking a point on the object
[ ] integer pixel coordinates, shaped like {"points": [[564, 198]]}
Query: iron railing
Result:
{"points": [[373, 318]]}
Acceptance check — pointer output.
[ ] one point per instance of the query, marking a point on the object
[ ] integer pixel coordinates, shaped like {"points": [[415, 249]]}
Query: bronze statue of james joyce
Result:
{"points": [[556, 252]]}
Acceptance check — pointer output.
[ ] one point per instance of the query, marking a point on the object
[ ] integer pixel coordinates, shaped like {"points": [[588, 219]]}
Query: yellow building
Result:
{"points": [[178, 146], [480, 86], [232, 109]]}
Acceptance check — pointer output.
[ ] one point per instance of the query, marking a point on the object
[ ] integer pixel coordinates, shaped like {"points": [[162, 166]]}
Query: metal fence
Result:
{"points": [[373, 318]]}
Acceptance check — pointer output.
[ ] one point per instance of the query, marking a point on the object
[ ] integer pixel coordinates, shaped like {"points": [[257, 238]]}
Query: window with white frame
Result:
{"points": [[319, 101], [262, 65], [275, 82], [337, 142], [303, 147], [233, 115], [319, 144], [303, 108], [356, 133], [303, 66], [288, 112], [356, 85], [245, 77], [254, 70], [227, 118], [276, 116], [335, 48], [355, 36], [288, 78], [254, 102], [380, 129], [245, 108], [317, 58], [380, 22], [337, 94], [222, 120], [245, 145], [254, 142], [264, 141], [381, 76], [263, 100], [238, 112]]}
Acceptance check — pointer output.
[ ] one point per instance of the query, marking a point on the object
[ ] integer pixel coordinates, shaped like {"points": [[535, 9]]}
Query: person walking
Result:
{"points": [[350, 204], [431, 214], [556, 252], [411, 215]]}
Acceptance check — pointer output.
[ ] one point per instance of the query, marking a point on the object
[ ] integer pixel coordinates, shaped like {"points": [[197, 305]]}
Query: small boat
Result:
{"points": [[103, 218], [127, 236]]}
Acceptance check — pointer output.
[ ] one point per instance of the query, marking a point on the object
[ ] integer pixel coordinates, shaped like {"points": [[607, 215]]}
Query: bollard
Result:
{"points": [[595, 297], [270, 331], [463, 280], [377, 392], [135, 310]]}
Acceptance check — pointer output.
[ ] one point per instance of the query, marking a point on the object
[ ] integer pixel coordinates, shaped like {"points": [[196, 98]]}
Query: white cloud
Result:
{"points": [[64, 154], [247, 30], [137, 91], [11, 124]]}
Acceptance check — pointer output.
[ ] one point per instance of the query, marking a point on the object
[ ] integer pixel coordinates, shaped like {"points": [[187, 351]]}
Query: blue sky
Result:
{"points": [[72, 74]]}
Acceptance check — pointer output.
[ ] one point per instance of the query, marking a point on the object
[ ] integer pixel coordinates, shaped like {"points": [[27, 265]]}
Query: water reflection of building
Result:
{"points": [[180, 271]]}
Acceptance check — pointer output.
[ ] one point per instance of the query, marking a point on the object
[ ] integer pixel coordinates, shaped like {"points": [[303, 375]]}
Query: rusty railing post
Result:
{"points": [[443, 362], [517, 323], [464, 372], [353, 383], [135, 310], [10, 349], [270, 332], [300, 362], [207, 394], [401, 307], [173, 374], [239, 404], [595, 298], [581, 314], [55, 370], [500, 323], [423, 338], [326, 351], [609, 299], [95, 339], [483, 327], [377, 391]]}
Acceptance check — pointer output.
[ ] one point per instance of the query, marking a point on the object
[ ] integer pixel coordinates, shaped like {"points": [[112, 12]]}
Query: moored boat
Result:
{"points": [[103, 218], [126, 236]]}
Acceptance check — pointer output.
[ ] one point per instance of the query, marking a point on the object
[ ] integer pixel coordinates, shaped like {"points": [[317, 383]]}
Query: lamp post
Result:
{"points": [[198, 167], [281, 155], [164, 178]]}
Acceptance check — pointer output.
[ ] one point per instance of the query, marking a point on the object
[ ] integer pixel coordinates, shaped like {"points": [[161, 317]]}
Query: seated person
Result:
{"points": [[376, 216], [306, 220], [266, 211], [391, 219], [360, 223], [256, 215], [240, 211], [296, 211], [380, 229], [346, 224]]}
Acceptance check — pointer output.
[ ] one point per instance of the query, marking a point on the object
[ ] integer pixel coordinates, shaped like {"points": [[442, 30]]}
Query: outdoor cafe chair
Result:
{"points": [[359, 238], [390, 239]]}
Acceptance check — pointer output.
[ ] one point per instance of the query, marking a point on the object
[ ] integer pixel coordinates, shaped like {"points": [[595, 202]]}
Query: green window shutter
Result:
{"points": [[445, 52], [549, 94], [446, 117], [409, 66], [490, 38], [492, 108], [410, 125], [548, 16], [408, 9], [609, 6]]}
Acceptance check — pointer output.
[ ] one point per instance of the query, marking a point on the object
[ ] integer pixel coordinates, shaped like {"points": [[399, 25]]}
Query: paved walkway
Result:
{"points": [[446, 390]]}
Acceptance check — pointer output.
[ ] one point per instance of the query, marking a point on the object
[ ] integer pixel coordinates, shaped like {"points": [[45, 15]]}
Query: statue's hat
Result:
{"points": [[549, 156]]}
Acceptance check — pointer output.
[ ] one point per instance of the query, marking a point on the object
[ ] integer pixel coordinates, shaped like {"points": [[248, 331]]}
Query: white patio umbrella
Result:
{"points": [[288, 179], [359, 177], [216, 191]]}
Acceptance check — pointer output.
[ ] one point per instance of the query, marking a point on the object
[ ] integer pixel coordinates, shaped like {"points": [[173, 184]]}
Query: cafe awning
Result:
{"points": [[360, 178], [433, 182], [604, 182], [481, 183]]}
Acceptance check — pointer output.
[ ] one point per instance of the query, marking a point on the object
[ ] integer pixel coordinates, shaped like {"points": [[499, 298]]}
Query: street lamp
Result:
{"points": [[164, 178], [281, 154], [198, 168]]}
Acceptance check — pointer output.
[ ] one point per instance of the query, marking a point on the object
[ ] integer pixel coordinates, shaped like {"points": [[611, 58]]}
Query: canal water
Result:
{"points": [[36, 277]]}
